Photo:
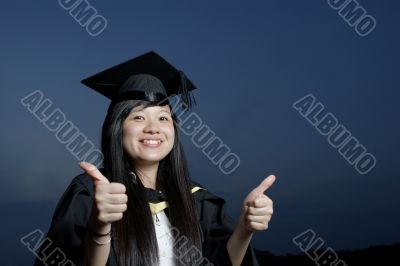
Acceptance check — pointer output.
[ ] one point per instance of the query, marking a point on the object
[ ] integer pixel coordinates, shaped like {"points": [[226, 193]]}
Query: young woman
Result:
{"points": [[142, 208]]}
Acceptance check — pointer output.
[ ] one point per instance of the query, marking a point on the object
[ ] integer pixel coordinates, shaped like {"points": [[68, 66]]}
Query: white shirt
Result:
{"points": [[164, 239]]}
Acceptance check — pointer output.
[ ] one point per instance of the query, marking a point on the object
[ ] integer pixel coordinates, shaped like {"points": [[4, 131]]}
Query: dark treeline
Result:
{"points": [[374, 256]]}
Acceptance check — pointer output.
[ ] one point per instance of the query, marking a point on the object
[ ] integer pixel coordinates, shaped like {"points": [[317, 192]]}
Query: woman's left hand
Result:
{"points": [[257, 208]]}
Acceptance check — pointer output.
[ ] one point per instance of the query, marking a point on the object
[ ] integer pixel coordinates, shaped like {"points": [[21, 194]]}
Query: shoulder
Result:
{"points": [[76, 201], [201, 193], [82, 182], [212, 213]]}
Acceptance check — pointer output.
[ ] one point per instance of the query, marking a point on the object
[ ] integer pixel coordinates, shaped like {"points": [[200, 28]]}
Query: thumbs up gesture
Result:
{"points": [[257, 208], [110, 199]]}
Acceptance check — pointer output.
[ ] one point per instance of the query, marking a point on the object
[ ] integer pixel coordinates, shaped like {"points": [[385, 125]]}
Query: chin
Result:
{"points": [[151, 159]]}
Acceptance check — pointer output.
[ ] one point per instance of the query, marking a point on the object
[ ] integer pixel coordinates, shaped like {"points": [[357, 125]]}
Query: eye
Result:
{"points": [[138, 117], [164, 118]]}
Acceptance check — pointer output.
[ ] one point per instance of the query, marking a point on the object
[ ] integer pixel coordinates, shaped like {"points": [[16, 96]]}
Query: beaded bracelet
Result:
{"points": [[101, 243], [93, 233]]}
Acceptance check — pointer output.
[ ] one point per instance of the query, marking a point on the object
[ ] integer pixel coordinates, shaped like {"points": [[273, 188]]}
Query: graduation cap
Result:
{"points": [[148, 77]]}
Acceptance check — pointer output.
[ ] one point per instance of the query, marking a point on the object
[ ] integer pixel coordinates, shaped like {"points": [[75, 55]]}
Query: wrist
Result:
{"points": [[99, 233], [100, 239], [97, 227], [243, 231]]}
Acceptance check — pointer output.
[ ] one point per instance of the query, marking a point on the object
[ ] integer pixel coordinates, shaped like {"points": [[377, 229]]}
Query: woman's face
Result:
{"points": [[148, 134]]}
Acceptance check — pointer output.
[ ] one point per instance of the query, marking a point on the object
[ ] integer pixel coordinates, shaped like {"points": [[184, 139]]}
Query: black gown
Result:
{"points": [[68, 226]]}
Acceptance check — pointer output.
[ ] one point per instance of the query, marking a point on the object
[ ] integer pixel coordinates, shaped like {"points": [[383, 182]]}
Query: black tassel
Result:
{"points": [[185, 92]]}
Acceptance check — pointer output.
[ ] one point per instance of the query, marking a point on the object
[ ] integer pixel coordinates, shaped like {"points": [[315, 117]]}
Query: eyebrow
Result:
{"points": [[166, 111], [141, 110]]}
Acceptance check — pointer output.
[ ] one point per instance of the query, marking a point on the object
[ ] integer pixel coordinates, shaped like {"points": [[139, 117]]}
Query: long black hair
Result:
{"points": [[134, 237]]}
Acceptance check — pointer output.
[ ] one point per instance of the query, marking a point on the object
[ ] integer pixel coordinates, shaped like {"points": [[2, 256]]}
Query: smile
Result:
{"points": [[151, 142]]}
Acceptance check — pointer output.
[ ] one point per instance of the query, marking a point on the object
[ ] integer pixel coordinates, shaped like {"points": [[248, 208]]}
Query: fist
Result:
{"points": [[257, 208], [110, 199]]}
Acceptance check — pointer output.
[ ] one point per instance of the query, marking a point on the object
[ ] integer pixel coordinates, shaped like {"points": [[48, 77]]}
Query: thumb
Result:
{"points": [[262, 187], [92, 171]]}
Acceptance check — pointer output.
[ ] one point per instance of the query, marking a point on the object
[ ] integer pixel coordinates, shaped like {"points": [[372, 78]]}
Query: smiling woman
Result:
{"points": [[142, 208], [148, 134]]}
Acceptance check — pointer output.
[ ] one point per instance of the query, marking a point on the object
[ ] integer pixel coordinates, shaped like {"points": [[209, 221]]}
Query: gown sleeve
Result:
{"points": [[68, 226], [217, 227]]}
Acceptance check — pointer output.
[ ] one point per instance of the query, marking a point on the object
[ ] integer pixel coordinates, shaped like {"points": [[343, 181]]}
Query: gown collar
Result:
{"points": [[158, 200]]}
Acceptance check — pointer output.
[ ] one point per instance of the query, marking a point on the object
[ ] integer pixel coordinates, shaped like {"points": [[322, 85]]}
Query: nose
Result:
{"points": [[151, 127]]}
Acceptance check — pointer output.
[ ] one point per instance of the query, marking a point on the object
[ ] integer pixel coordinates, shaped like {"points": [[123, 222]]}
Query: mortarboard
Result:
{"points": [[148, 77]]}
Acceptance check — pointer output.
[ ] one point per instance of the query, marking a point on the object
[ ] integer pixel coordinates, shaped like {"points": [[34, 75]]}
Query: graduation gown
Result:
{"points": [[70, 220]]}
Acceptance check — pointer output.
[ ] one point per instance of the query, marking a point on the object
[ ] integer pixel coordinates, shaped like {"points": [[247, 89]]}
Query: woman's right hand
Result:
{"points": [[110, 200]]}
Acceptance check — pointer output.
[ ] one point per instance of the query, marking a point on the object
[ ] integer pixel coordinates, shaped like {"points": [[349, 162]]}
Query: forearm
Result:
{"points": [[237, 244], [96, 254], [97, 248]]}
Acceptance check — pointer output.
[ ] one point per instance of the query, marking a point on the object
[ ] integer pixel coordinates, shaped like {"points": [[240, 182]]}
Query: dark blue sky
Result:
{"points": [[251, 62]]}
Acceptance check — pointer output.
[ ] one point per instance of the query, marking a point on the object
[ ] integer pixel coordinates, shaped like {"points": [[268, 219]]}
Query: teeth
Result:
{"points": [[151, 141]]}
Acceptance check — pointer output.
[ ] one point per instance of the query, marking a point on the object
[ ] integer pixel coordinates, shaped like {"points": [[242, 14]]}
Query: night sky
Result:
{"points": [[251, 62]]}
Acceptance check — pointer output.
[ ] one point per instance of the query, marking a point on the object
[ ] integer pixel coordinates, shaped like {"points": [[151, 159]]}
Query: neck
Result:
{"points": [[148, 174]]}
